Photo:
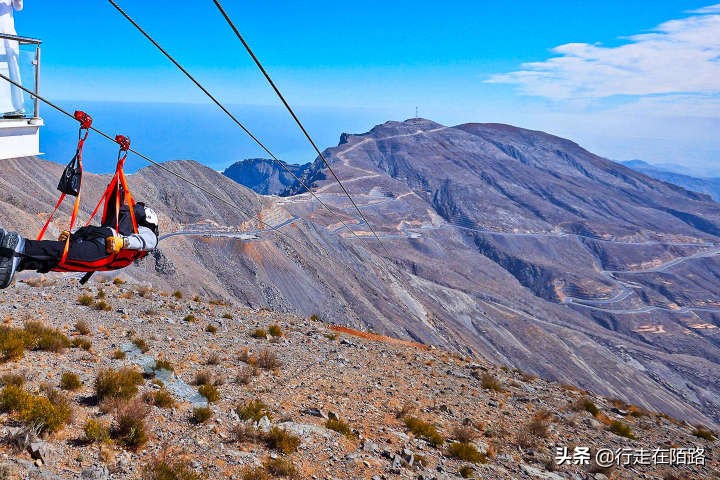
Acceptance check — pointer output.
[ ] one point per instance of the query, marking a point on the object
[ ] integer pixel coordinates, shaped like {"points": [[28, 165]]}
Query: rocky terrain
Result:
{"points": [[264, 176], [507, 245], [336, 403]]}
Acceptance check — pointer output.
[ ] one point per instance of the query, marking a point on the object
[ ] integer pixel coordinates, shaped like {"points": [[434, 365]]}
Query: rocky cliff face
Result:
{"points": [[512, 245], [264, 175]]}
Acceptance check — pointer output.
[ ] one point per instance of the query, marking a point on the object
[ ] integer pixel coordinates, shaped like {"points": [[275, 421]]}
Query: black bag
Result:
{"points": [[71, 178]]}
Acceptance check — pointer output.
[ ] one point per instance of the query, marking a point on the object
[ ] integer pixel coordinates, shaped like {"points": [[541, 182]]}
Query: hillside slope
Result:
{"points": [[497, 423]]}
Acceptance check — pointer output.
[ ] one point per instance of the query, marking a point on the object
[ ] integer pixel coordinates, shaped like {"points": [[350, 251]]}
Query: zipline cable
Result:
{"points": [[144, 157], [229, 114], [294, 116]]}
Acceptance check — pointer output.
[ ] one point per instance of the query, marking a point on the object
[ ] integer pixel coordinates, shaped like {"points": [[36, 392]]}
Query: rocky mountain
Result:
{"points": [[709, 186], [264, 175], [505, 244], [140, 384]]}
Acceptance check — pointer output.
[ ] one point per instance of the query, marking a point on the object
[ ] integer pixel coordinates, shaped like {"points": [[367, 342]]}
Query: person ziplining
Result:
{"points": [[128, 230]]}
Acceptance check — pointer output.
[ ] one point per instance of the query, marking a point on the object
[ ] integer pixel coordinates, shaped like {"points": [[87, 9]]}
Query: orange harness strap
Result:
{"points": [[85, 124]]}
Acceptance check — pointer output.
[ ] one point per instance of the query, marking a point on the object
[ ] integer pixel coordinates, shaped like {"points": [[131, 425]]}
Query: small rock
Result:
{"points": [[316, 412], [43, 451], [96, 472], [369, 446], [264, 424]]}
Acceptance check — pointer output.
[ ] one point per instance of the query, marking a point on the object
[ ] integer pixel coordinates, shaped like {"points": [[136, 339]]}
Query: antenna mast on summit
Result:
{"points": [[417, 115]]}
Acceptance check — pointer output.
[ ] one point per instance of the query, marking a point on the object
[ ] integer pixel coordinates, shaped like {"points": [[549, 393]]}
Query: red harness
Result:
{"points": [[118, 190]]}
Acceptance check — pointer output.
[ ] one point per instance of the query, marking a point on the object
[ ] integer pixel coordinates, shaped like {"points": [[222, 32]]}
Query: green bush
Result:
{"points": [[70, 381], [14, 398], [122, 383], [424, 430], [96, 431], [48, 415]]}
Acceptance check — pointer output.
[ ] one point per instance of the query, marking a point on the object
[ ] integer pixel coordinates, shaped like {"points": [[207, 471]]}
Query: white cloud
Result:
{"points": [[679, 57]]}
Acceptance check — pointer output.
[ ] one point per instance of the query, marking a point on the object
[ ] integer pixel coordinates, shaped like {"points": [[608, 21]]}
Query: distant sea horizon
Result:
{"points": [[200, 132]]}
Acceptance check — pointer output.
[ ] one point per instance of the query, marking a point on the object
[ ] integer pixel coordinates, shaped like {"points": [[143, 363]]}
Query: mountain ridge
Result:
{"points": [[525, 280]]}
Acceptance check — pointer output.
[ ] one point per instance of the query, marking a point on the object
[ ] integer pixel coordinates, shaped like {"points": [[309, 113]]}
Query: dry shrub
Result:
{"points": [[539, 424], [282, 440], [163, 468], [141, 344], [190, 318], [490, 382], [466, 452], [275, 331], [102, 306], [213, 359], [163, 399], [201, 414], [178, 294], [466, 471], [81, 342], [211, 328], [163, 364], [39, 336], [253, 410], [585, 404], [281, 467], [703, 432], [622, 429], [122, 383], [424, 430], [254, 473], [70, 381], [48, 413], [129, 429], [340, 426], [464, 434], [86, 300], [203, 377], [82, 327], [210, 392], [96, 431], [12, 379], [259, 333], [246, 374], [268, 360], [119, 355]]}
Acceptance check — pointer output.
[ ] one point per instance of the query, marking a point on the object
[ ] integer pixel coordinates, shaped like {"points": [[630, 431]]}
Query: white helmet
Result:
{"points": [[151, 217]]}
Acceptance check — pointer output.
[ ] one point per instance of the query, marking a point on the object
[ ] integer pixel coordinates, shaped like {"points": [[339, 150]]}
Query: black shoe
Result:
{"points": [[12, 245]]}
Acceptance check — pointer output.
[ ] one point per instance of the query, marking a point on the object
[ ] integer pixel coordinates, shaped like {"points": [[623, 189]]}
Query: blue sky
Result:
{"points": [[458, 61]]}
